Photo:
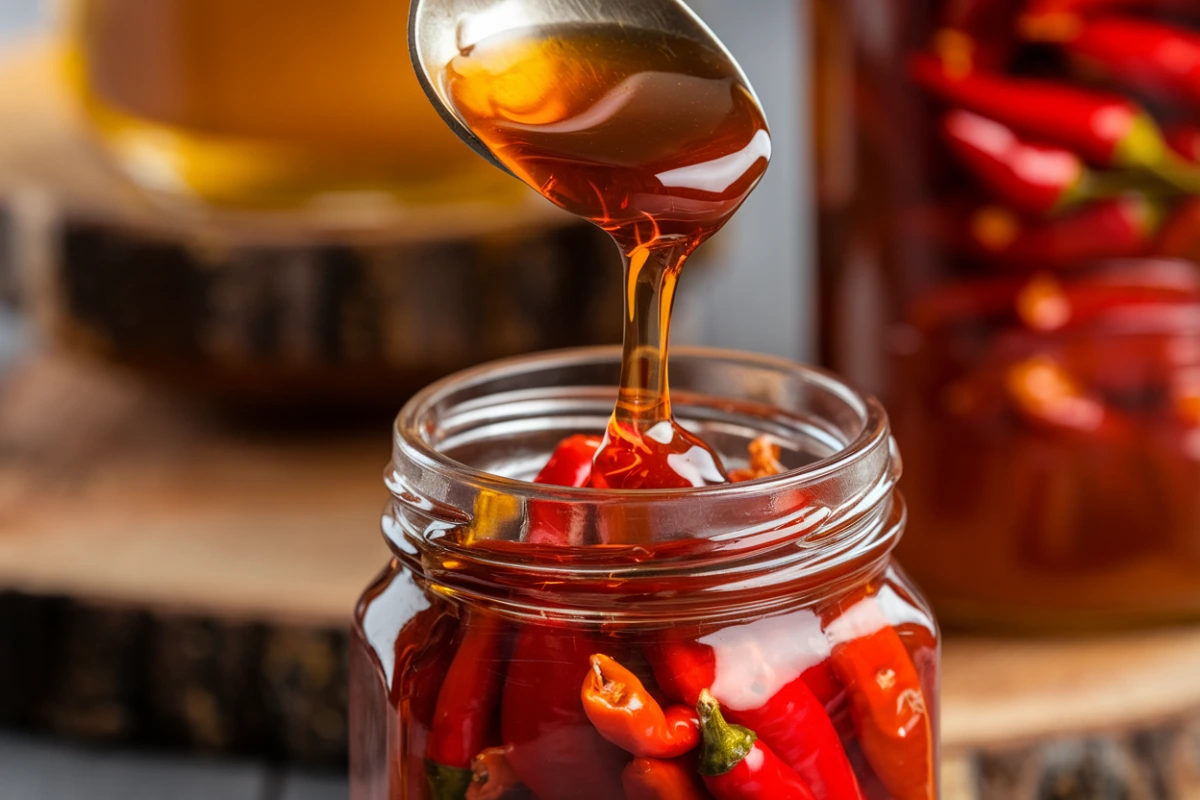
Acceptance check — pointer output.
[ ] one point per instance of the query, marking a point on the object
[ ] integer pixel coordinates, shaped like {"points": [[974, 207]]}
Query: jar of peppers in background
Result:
{"points": [[1009, 194], [534, 637]]}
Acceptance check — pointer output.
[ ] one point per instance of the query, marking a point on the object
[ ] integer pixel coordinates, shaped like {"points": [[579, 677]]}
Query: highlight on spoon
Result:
{"points": [[647, 134], [439, 30]]}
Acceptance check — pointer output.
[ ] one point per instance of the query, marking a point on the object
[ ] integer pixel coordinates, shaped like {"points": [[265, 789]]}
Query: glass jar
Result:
{"points": [[779, 595], [1009, 244]]}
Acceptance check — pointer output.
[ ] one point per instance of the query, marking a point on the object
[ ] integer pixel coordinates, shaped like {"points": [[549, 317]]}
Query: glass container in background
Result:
{"points": [[268, 103], [778, 594], [254, 202], [1009, 199]]}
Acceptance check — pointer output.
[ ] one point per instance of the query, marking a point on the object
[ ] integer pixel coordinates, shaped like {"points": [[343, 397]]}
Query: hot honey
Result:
{"points": [[656, 139], [511, 679]]}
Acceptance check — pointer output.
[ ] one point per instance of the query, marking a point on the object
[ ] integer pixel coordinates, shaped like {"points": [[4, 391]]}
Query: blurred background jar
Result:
{"points": [[268, 103], [253, 202], [1009, 234]]}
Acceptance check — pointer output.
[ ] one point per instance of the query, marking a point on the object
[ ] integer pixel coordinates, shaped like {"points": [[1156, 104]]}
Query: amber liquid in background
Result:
{"points": [[658, 141], [266, 103]]}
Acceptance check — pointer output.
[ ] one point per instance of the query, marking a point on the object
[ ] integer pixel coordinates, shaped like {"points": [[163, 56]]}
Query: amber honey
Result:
{"points": [[267, 102], [656, 139], [650, 136]]}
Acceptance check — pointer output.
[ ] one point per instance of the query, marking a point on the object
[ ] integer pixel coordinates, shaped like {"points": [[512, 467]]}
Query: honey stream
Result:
{"points": [[656, 139]]}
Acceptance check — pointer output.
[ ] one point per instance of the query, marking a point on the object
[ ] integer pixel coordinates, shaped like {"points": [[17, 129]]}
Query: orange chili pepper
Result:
{"points": [[887, 701], [1045, 394], [656, 779], [624, 713], [492, 777], [764, 461]]}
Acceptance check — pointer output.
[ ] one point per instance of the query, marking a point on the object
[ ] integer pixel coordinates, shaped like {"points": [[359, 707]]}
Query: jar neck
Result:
{"points": [[461, 513], [804, 562]]}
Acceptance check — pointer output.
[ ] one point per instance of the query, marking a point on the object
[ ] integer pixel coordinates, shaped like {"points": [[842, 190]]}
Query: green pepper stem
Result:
{"points": [[1177, 173], [1093, 185], [447, 783], [724, 745], [1142, 146]]}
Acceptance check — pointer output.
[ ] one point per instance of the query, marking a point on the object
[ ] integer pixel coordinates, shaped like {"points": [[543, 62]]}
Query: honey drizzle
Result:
{"points": [[657, 140]]}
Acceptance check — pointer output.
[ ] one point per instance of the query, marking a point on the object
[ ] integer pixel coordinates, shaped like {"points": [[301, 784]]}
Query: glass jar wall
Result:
{"points": [[1009, 244], [778, 596]]}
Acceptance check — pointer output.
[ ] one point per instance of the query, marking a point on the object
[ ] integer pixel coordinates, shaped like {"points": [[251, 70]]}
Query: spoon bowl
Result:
{"points": [[440, 30]]}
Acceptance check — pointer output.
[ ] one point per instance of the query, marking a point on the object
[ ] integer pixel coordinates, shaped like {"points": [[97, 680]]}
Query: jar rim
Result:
{"points": [[410, 427], [751, 544]]}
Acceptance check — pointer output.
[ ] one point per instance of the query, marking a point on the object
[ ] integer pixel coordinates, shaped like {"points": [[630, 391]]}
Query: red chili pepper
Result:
{"points": [[736, 766], [570, 465], [1181, 232], [824, 684], [654, 779], [792, 722], [1121, 227], [1104, 128], [1060, 20], [1031, 177], [1048, 304], [1148, 57], [886, 698], [976, 34], [1184, 139], [571, 462], [617, 703], [964, 303], [465, 720], [552, 746], [1145, 364], [665, 457], [423, 653], [1060, 385], [470, 695]]}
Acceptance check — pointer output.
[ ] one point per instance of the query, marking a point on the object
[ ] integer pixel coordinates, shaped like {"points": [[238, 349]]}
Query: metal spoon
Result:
{"points": [[439, 30]]}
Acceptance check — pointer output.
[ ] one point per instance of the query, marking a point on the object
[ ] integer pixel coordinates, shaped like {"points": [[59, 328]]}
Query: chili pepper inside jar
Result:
{"points": [[1010, 258], [750, 639]]}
